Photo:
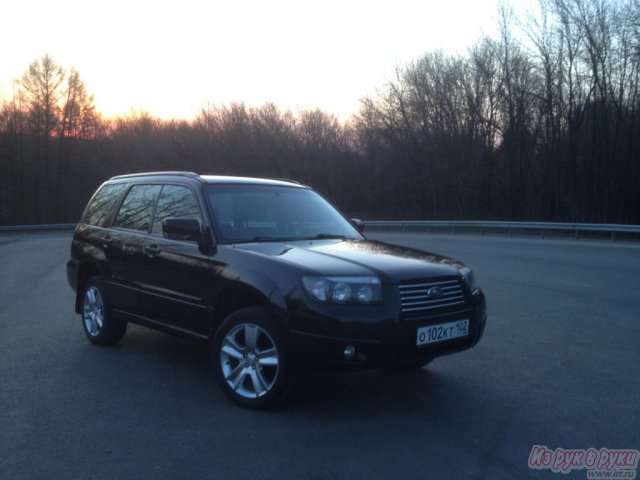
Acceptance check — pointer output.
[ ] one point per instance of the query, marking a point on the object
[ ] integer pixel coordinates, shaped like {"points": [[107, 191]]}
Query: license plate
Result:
{"points": [[442, 332]]}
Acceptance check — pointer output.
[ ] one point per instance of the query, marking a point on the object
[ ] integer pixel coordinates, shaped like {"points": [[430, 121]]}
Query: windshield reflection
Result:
{"points": [[265, 213]]}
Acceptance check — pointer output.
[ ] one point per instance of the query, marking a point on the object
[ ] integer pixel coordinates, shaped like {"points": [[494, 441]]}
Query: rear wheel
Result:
{"points": [[97, 321], [249, 359]]}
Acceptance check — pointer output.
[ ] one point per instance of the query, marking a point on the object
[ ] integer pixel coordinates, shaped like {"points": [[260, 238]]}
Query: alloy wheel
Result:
{"points": [[249, 360], [93, 311]]}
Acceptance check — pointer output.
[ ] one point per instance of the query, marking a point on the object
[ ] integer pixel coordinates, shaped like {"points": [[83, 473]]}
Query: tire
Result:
{"points": [[97, 320], [249, 359]]}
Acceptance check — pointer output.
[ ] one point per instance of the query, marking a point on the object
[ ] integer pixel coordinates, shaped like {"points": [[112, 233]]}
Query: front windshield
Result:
{"points": [[263, 213]]}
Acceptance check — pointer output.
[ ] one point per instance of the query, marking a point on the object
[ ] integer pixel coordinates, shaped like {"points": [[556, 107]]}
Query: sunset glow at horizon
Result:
{"points": [[170, 59]]}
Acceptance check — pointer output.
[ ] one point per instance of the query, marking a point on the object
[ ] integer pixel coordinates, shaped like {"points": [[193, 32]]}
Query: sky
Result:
{"points": [[172, 58]]}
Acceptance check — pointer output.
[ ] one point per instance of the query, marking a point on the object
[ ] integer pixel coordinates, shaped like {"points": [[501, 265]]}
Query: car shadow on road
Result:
{"points": [[372, 392], [153, 360]]}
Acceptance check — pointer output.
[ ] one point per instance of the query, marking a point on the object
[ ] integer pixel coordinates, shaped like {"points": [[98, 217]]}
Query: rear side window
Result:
{"points": [[137, 209], [102, 204], [175, 202]]}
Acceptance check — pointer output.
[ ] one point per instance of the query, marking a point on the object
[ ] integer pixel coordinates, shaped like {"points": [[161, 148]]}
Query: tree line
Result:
{"points": [[540, 123]]}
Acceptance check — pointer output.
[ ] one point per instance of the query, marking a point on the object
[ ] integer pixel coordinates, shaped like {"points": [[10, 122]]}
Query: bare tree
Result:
{"points": [[543, 127], [79, 118], [41, 86]]}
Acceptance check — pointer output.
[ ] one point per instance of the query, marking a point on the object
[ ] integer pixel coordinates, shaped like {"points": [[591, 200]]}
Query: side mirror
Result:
{"points": [[189, 229], [358, 223], [181, 228]]}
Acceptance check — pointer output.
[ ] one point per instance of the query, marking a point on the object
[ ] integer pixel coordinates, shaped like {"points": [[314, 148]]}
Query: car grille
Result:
{"points": [[425, 295]]}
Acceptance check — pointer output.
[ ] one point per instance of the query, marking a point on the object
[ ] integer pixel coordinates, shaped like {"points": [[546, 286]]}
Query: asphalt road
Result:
{"points": [[558, 366]]}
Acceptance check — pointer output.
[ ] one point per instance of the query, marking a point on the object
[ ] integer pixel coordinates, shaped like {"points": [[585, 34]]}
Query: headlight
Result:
{"points": [[344, 290], [469, 278]]}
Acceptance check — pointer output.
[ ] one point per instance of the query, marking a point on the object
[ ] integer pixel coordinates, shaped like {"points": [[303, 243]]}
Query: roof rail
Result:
{"points": [[153, 174], [279, 179]]}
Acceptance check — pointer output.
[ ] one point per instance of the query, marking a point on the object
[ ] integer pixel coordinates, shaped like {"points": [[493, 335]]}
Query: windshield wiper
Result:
{"points": [[329, 236], [269, 239], [320, 236]]}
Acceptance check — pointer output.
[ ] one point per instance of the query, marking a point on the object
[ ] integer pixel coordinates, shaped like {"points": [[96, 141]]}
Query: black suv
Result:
{"points": [[268, 273]]}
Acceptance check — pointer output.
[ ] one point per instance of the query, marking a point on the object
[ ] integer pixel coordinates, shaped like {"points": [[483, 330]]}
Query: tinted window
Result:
{"points": [[137, 208], [261, 213], [100, 207], [175, 202]]}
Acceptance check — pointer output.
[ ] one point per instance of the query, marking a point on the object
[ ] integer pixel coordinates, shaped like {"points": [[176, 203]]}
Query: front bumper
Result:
{"points": [[379, 340]]}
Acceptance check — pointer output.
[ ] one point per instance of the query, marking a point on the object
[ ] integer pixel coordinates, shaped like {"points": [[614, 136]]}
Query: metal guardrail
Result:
{"points": [[543, 228], [37, 228], [453, 226]]}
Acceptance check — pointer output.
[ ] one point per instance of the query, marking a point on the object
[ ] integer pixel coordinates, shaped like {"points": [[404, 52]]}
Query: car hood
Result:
{"points": [[392, 263]]}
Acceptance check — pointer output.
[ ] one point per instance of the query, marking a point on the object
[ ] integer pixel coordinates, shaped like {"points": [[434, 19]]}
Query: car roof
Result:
{"points": [[249, 180], [209, 179]]}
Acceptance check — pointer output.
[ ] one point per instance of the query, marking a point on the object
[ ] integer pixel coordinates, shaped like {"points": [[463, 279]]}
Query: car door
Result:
{"points": [[125, 240], [177, 274]]}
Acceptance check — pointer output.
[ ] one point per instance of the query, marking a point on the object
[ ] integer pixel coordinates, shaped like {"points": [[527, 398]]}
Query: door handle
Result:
{"points": [[152, 250]]}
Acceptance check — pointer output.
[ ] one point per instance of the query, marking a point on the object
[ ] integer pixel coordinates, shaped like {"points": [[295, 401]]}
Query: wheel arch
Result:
{"points": [[236, 297], [85, 272]]}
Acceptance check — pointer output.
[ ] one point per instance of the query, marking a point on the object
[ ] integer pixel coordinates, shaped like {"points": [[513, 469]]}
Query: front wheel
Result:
{"points": [[97, 321], [249, 359]]}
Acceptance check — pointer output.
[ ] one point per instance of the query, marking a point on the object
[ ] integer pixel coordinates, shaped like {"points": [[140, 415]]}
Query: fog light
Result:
{"points": [[349, 352]]}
